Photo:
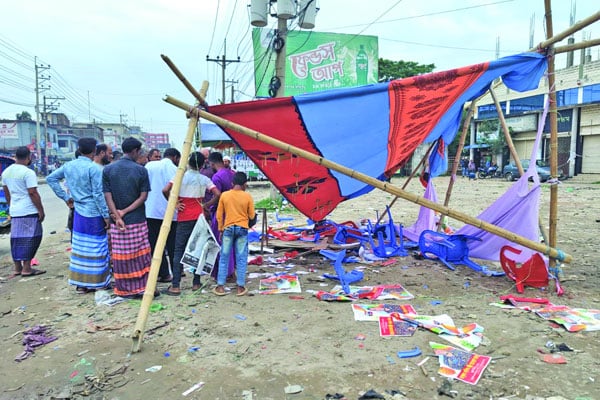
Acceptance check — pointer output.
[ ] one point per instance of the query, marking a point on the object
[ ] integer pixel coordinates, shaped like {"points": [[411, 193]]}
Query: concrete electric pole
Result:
{"points": [[39, 88], [223, 62]]}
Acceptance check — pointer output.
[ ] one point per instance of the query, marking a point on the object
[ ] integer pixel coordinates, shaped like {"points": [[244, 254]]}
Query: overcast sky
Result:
{"points": [[109, 51]]}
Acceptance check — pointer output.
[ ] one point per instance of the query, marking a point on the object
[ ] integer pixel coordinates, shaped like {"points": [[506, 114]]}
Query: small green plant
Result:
{"points": [[269, 204]]}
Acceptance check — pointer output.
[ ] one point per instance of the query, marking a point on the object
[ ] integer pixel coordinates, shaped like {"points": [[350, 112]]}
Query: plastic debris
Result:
{"points": [[240, 317], [371, 394], [554, 359], [193, 388], [291, 389], [154, 368], [410, 353], [33, 338]]}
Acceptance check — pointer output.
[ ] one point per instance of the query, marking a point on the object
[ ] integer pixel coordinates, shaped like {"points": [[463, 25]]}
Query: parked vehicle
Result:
{"points": [[491, 172], [511, 172]]}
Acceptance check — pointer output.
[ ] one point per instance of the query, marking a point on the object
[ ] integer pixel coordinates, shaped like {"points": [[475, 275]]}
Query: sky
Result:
{"points": [[104, 56]]}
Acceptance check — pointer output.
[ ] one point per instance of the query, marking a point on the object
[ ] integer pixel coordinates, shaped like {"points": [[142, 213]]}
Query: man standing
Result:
{"points": [[160, 174], [27, 213], [223, 180], [89, 263], [103, 154], [154, 155], [126, 186]]}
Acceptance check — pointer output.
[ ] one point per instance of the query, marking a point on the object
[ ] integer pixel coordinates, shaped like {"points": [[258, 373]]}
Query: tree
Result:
{"points": [[389, 70], [23, 116]]}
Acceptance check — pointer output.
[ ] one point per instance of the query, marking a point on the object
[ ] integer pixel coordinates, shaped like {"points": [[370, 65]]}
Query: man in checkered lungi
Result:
{"points": [[20, 188], [126, 186]]}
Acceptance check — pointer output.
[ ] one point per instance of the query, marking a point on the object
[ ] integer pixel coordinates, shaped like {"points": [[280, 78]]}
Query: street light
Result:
{"points": [[305, 10]]}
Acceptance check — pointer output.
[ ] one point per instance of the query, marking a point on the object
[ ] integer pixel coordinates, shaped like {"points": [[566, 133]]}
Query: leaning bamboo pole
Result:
{"points": [[412, 175], [553, 132], [387, 187], [140, 326], [513, 152], [459, 149]]}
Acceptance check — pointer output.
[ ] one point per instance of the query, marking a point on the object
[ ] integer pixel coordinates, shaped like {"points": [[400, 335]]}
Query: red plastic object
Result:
{"points": [[531, 273]]}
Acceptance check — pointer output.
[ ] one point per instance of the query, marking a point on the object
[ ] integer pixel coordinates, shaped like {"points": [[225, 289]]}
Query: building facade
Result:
{"points": [[578, 106]]}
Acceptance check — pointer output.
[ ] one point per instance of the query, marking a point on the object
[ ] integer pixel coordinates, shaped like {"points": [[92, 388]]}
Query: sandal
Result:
{"points": [[170, 292], [219, 293], [84, 290], [243, 292], [34, 272]]}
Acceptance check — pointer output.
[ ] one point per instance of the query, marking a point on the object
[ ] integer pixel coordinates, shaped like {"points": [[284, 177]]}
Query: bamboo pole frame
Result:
{"points": [[551, 38], [387, 187], [140, 326], [553, 217]]}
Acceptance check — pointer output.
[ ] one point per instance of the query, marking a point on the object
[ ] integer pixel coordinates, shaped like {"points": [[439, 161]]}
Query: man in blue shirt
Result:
{"points": [[89, 264]]}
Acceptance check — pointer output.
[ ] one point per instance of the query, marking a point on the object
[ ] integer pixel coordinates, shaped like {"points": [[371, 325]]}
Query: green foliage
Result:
{"points": [[390, 70], [279, 204], [23, 116], [269, 204]]}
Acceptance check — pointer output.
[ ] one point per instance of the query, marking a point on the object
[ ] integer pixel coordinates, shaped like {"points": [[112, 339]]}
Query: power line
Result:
{"points": [[424, 15], [214, 26]]}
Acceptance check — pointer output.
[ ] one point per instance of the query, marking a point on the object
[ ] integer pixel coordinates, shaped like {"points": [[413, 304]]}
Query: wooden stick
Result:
{"points": [[140, 326], [553, 133], [576, 46], [412, 174], [387, 187], [461, 145], [199, 97], [550, 39], [513, 152]]}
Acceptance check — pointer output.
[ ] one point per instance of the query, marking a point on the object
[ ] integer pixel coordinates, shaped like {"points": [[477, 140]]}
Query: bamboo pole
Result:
{"points": [[199, 97], [412, 174], [387, 187], [576, 46], [140, 326], [513, 152], [459, 149], [550, 39], [553, 132], [457, 158]]}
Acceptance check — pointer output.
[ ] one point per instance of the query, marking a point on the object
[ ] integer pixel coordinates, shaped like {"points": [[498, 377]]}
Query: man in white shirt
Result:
{"points": [[160, 173], [26, 211]]}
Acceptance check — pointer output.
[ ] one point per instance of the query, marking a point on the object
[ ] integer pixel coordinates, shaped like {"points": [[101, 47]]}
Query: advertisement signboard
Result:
{"points": [[316, 61], [8, 130]]}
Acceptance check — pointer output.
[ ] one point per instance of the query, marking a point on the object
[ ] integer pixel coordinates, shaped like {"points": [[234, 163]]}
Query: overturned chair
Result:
{"points": [[450, 250], [390, 241]]}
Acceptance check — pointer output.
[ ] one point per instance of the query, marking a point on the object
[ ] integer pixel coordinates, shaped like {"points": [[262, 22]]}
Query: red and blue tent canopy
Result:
{"points": [[372, 129]]}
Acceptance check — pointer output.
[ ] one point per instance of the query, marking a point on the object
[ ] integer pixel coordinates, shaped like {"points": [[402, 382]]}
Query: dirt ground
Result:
{"points": [[254, 347]]}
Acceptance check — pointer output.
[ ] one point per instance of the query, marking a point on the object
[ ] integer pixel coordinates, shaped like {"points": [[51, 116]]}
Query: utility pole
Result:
{"points": [[122, 126], [278, 90], [232, 88], [223, 62], [47, 107], [39, 78]]}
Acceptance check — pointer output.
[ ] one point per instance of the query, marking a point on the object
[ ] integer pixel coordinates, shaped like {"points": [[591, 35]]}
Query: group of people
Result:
{"points": [[118, 207]]}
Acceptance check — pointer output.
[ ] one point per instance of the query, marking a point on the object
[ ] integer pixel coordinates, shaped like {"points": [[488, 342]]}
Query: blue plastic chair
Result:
{"points": [[390, 242], [345, 278], [450, 250]]}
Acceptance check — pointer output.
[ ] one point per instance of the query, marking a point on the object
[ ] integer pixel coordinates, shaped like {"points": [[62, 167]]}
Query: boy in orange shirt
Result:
{"points": [[235, 215]]}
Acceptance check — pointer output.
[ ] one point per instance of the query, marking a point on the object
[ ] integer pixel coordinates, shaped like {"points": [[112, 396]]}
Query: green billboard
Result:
{"points": [[315, 61]]}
